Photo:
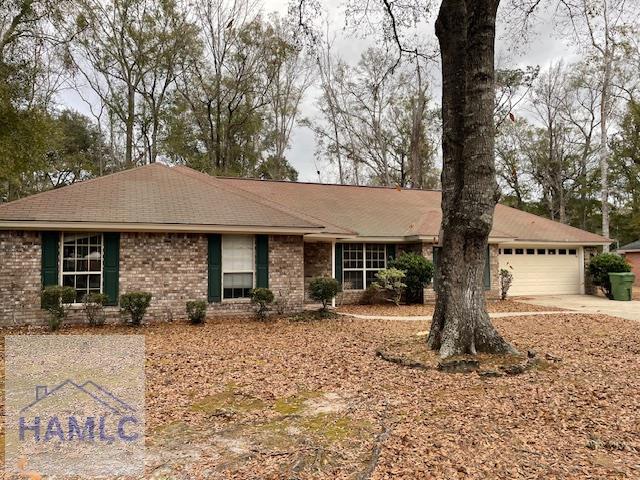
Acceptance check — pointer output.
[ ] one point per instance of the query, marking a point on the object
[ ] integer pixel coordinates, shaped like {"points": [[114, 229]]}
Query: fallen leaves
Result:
{"points": [[389, 309], [243, 399]]}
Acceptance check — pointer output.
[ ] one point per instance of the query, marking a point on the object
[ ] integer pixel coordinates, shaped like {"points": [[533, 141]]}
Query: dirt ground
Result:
{"points": [[389, 309], [249, 400]]}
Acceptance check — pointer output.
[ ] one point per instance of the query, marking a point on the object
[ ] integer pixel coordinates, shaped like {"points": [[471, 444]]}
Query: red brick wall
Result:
{"points": [[634, 259]]}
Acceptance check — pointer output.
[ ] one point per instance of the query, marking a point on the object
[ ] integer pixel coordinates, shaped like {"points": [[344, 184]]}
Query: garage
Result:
{"points": [[542, 270]]}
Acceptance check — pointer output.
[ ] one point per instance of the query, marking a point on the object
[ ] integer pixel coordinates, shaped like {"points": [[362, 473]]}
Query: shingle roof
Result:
{"points": [[172, 197], [630, 247], [383, 211], [153, 194]]}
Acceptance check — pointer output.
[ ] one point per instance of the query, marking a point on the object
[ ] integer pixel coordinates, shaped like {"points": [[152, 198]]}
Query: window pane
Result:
{"points": [[541, 251], [572, 251], [352, 255], [562, 251], [371, 276], [237, 285], [375, 256], [82, 252], [519, 251], [530, 251], [352, 280], [552, 251], [508, 251], [237, 253]]}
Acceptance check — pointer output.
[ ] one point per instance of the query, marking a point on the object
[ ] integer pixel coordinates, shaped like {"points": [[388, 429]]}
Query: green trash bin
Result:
{"points": [[621, 285]]}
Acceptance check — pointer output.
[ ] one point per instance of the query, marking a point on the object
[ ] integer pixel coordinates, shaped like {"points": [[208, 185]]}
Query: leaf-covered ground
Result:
{"points": [[389, 309], [248, 400]]}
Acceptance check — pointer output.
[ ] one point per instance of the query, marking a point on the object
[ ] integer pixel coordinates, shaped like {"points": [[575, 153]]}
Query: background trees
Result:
{"points": [[223, 87]]}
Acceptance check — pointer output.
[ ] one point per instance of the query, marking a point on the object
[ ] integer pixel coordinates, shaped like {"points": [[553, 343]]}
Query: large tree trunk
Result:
{"points": [[466, 32]]}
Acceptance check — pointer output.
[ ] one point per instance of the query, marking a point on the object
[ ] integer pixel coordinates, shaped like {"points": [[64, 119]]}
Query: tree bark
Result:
{"points": [[466, 32]]}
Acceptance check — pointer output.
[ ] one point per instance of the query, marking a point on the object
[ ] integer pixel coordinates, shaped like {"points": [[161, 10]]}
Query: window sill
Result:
{"points": [[236, 300]]}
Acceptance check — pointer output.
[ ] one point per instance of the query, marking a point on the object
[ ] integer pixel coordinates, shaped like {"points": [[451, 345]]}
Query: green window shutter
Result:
{"points": [[50, 252], [338, 263], [262, 261], [487, 270], [436, 264], [391, 251], [215, 268], [111, 267]]}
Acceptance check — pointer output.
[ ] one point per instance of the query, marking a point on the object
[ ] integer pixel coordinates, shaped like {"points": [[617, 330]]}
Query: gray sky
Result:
{"points": [[544, 46]]}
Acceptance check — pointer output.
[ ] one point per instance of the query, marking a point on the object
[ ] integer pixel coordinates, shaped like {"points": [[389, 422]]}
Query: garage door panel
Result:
{"points": [[535, 274]]}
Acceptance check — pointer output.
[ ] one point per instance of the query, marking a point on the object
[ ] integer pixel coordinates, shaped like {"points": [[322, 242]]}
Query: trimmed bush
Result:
{"points": [[390, 282], [135, 304], [506, 279], [94, 308], [372, 296], [197, 311], [56, 301], [324, 289], [418, 274], [602, 265], [263, 297]]}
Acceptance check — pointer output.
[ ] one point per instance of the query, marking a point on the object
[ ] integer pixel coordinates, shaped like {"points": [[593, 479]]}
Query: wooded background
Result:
{"points": [[219, 86]]}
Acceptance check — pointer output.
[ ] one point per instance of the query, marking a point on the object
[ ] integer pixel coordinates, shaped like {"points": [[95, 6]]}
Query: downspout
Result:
{"points": [[333, 267]]}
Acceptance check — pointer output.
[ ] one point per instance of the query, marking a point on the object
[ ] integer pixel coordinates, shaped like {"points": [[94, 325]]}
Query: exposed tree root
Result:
{"points": [[400, 360]]}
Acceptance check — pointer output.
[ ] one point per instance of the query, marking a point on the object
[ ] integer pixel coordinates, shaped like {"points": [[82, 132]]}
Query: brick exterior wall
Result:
{"points": [[20, 278], [317, 263], [634, 259], [173, 267], [286, 271]]}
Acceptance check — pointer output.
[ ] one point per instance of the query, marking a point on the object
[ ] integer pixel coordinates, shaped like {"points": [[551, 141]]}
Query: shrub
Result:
{"points": [[197, 311], [323, 289], [263, 297], [418, 274], [135, 305], [372, 296], [506, 279], [390, 282], [57, 300], [94, 308], [601, 265]]}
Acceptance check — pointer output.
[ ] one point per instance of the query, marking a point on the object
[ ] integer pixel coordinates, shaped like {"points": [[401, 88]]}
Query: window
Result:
{"points": [[508, 251], [82, 263], [531, 251], [360, 263], [542, 251], [519, 251], [572, 251], [238, 265], [552, 251], [562, 251]]}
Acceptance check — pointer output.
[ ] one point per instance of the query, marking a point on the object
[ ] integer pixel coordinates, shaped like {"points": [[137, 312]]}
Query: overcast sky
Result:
{"points": [[543, 47]]}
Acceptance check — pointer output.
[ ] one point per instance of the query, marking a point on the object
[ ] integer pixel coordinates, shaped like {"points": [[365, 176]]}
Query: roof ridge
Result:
{"points": [[82, 182], [281, 205], [321, 184], [201, 176]]}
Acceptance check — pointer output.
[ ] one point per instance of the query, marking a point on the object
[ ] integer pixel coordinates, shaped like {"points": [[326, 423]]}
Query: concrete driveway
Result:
{"points": [[587, 304]]}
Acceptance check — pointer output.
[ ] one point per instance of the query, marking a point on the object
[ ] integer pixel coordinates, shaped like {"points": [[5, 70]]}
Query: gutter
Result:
{"points": [[153, 227]]}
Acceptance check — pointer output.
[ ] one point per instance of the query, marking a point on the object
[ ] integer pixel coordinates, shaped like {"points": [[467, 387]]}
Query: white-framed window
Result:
{"points": [[360, 263], [81, 262], [238, 266]]}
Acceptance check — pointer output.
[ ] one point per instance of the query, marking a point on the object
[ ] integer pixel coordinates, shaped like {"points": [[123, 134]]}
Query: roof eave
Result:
{"points": [[154, 227]]}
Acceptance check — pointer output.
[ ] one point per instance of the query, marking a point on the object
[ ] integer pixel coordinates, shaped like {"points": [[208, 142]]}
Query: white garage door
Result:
{"points": [[542, 270]]}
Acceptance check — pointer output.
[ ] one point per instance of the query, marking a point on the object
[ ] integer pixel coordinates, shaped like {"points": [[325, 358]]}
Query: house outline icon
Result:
{"points": [[109, 401]]}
